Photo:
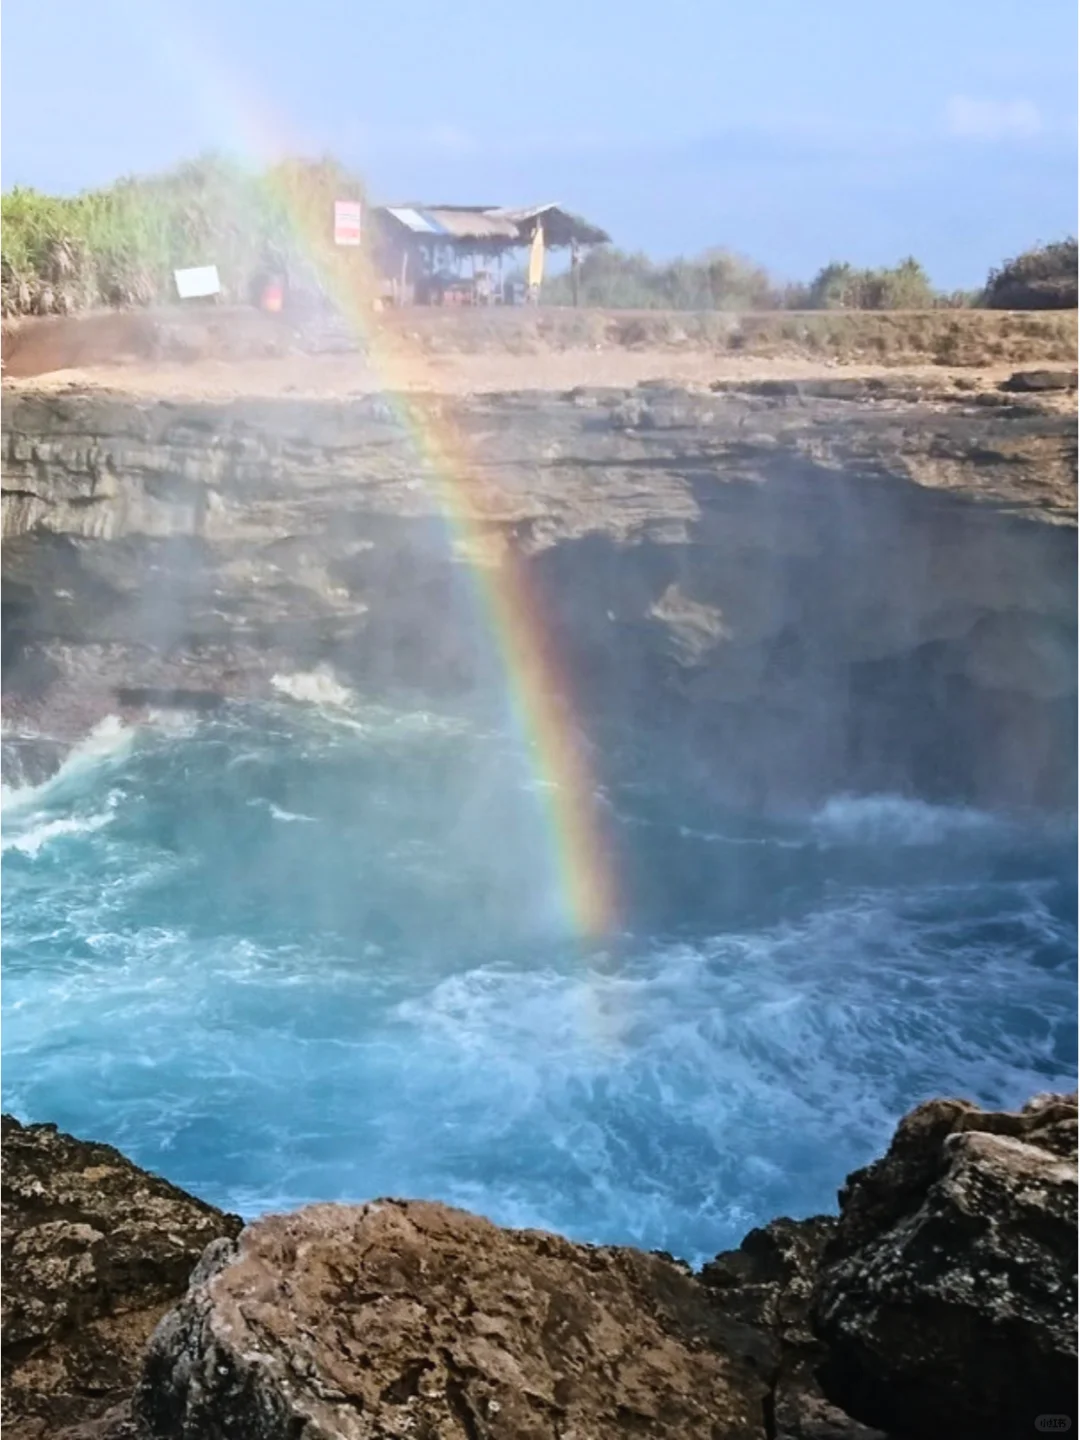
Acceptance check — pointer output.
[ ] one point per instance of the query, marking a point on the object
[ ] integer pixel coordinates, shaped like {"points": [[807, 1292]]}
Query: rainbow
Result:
{"points": [[538, 689]]}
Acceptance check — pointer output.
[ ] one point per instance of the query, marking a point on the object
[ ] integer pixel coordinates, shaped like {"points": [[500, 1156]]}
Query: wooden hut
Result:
{"points": [[455, 254]]}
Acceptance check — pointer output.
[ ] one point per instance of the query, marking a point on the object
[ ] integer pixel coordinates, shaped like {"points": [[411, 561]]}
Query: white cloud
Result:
{"points": [[974, 119]]}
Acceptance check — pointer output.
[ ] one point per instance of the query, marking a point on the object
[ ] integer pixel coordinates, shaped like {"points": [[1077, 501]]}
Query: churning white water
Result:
{"points": [[315, 951]]}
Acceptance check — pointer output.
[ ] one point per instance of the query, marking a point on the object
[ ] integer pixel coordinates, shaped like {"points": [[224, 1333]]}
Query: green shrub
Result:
{"points": [[720, 280], [119, 246], [1042, 278], [716, 280], [840, 286]]}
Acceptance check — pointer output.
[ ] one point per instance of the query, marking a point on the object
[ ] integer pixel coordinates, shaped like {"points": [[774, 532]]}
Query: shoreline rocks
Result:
{"points": [[937, 1304], [95, 1250], [946, 1299]]}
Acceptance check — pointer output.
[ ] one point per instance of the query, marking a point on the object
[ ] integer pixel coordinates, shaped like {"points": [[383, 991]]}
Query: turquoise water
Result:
{"points": [[305, 951]]}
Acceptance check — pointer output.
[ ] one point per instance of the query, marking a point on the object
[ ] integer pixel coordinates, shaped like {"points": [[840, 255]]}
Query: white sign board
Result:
{"points": [[194, 284], [346, 222]]}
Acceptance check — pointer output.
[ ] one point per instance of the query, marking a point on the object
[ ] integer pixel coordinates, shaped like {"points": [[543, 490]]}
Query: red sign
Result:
{"points": [[346, 222]]}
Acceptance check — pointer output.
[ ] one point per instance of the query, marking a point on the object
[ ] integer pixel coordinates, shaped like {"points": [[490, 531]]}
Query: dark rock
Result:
{"points": [[135, 697], [767, 1283], [403, 1318], [1033, 380], [947, 1296], [859, 388], [95, 1251], [1003, 404], [28, 760], [116, 1423]]}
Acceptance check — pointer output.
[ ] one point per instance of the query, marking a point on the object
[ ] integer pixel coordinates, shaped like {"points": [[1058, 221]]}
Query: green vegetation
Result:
{"points": [[842, 287], [1043, 278], [717, 280], [118, 246], [720, 280]]}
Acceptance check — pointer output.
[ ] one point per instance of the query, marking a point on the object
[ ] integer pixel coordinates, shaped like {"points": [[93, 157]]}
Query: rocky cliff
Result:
{"points": [[941, 1303], [882, 572]]}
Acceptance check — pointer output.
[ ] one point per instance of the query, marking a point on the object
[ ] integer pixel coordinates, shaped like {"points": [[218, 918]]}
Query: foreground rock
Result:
{"points": [[1039, 380], [95, 1251], [413, 1319], [767, 1283], [947, 1296], [940, 1304]]}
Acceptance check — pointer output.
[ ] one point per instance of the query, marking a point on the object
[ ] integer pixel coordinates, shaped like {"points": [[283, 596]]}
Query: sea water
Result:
{"points": [[316, 950]]}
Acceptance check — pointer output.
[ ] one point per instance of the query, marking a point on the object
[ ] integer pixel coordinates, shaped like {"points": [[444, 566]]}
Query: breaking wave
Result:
{"points": [[30, 838], [315, 687], [108, 742]]}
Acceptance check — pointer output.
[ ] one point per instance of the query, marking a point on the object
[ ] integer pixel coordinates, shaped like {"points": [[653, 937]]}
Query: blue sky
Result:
{"points": [[796, 131]]}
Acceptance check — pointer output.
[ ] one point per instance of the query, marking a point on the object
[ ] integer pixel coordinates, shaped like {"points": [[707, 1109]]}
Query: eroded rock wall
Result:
{"points": [[804, 590]]}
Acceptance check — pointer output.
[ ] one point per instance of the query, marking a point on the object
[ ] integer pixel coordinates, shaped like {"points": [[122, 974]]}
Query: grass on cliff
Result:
{"points": [[118, 246]]}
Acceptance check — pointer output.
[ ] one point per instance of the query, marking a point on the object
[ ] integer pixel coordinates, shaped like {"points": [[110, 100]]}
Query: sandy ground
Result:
{"points": [[338, 376]]}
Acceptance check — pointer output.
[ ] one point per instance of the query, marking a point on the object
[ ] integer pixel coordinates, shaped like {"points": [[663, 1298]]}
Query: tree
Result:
{"points": [[1042, 278]]}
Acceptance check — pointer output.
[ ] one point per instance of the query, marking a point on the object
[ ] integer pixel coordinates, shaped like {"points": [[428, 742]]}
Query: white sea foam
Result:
{"points": [[822, 1028], [675, 1096], [426, 722], [109, 741], [724, 837], [342, 707], [291, 816], [176, 724], [280, 813], [896, 820], [31, 838], [315, 687]]}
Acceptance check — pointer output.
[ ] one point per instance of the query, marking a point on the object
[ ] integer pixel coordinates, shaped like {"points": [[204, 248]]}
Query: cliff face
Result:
{"points": [[849, 585]]}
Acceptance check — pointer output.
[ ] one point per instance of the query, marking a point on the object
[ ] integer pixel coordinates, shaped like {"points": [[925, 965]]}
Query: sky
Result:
{"points": [[794, 131]]}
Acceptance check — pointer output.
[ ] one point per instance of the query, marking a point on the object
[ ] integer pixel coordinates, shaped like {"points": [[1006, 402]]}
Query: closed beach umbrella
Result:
{"points": [[536, 258]]}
